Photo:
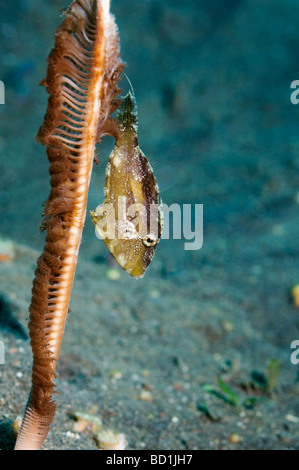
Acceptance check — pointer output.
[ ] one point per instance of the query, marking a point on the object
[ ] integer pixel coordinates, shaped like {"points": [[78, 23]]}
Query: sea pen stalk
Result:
{"points": [[83, 73]]}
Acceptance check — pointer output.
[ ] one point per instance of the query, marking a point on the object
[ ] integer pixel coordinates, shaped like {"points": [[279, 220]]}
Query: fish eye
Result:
{"points": [[149, 240]]}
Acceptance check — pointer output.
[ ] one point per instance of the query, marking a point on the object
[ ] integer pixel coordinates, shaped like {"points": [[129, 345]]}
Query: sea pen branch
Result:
{"points": [[83, 73]]}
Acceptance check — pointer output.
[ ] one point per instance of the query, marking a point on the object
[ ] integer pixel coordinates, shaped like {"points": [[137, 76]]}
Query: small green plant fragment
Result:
{"points": [[272, 374], [213, 391], [234, 398], [267, 381], [205, 409]]}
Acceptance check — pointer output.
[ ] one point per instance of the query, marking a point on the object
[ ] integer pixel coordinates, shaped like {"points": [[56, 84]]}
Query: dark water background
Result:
{"points": [[212, 81]]}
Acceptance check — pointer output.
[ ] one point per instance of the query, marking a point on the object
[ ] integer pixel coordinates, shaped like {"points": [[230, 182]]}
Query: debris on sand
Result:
{"points": [[106, 439]]}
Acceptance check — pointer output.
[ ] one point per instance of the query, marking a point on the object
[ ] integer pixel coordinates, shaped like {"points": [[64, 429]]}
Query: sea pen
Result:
{"points": [[83, 73]]}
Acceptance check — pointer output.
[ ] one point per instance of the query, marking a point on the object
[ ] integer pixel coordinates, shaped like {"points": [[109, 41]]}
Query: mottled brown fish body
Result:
{"points": [[132, 194]]}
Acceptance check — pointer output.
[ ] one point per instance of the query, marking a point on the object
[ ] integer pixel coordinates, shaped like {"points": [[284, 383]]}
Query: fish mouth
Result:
{"points": [[138, 277], [136, 273]]}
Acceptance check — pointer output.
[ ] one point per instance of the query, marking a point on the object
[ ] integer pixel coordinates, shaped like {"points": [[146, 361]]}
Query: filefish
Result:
{"points": [[130, 221]]}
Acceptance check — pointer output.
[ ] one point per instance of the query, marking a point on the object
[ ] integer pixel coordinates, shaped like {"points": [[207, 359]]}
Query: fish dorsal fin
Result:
{"points": [[127, 113], [131, 88]]}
